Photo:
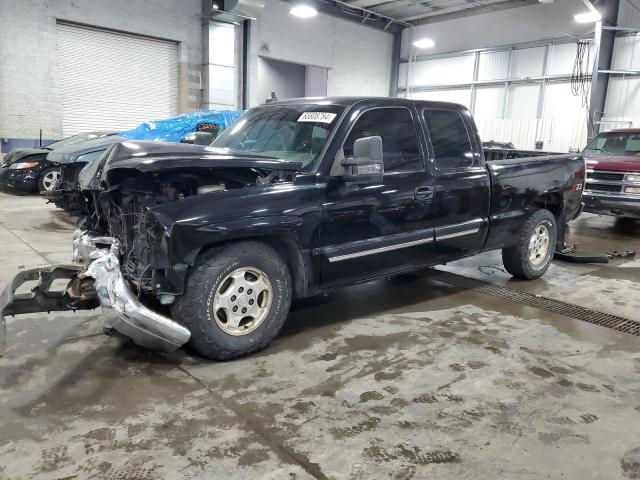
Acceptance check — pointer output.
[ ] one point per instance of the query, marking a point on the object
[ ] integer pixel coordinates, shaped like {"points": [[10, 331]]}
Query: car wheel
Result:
{"points": [[531, 256], [48, 179], [236, 299]]}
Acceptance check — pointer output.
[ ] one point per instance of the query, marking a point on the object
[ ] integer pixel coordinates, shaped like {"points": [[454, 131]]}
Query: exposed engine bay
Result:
{"points": [[122, 211]]}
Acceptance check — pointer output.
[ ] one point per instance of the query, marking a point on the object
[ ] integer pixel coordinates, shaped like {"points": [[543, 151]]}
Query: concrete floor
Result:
{"points": [[401, 378]]}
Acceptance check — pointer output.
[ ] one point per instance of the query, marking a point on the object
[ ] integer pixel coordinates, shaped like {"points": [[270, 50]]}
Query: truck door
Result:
{"points": [[367, 230], [461, 181]]}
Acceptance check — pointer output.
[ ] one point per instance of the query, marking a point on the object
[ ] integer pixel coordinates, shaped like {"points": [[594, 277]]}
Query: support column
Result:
{"points": [[246, 46], [395, 62], [600, 81]]}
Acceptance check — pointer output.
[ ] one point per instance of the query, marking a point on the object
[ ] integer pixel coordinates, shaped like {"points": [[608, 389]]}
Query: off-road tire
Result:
{"points": [[517, 260], [194, 309]]}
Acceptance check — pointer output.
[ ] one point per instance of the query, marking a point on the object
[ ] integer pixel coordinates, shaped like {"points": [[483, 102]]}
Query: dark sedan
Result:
{"points": [[25, 170]]}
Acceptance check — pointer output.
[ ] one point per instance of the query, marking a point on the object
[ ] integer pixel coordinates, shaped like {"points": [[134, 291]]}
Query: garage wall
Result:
{"points": [[29, 95], [358, 57], [287, 79]]}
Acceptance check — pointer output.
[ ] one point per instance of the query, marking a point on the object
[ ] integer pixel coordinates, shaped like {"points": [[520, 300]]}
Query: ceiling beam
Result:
{"points": [[480, 9], [340, 9], [444, 7]]}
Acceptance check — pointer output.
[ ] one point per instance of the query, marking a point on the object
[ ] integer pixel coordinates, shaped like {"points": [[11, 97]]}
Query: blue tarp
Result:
{"points": [[175, 128]]}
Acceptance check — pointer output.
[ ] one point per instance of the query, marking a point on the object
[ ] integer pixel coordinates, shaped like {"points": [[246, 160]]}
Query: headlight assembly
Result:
{"points": [[633, 177], [23, 165]]}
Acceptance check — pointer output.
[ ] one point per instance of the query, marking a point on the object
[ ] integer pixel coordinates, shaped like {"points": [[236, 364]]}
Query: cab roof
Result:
{"points": [[623, 130], [377, 101]]}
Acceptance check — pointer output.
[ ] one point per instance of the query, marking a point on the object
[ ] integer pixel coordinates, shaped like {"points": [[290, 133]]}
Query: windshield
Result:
{"points": [[82, 137], [615, 143], [289, 132]]}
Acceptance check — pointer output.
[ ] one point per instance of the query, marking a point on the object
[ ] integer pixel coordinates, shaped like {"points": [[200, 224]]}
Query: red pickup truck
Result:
{"points": [[613, 173]]}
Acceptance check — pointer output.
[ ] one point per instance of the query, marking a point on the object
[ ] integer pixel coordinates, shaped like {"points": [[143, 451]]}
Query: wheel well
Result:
{"points": [[288, 249], [550, 201]]}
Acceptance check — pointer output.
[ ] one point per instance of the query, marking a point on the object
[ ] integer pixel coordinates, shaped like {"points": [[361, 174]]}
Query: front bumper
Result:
{"points": [[24, 180], [124, 312], [108, 289], [612, 204]]}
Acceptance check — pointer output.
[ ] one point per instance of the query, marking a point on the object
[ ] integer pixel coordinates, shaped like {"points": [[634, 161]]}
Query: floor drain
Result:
{"points": [[543, 303]]}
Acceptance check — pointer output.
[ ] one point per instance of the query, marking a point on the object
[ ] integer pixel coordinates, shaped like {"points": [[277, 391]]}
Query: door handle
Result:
{"points": [[423, 193]]}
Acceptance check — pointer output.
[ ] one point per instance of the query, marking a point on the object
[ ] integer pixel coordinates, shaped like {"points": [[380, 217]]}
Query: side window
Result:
{"points": [[449, 138], [633, 144], [400, 148]]}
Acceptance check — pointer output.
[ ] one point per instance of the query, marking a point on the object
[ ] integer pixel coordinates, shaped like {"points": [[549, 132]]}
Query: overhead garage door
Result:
{"points": [[114, 81]]}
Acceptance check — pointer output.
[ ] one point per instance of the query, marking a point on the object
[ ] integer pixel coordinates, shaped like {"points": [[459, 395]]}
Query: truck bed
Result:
{"points": [[516, 183]]}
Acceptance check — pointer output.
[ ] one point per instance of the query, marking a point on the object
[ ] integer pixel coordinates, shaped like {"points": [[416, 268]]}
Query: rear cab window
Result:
{"points": [[450, 139]]}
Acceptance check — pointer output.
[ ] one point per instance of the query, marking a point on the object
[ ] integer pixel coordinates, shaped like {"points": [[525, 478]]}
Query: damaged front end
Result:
{"points": [[148, 210], [122, 309], [99, 283]]}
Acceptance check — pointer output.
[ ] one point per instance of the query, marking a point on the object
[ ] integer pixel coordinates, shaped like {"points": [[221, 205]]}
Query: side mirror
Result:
{"points": [[366, 164], [198, 138]]}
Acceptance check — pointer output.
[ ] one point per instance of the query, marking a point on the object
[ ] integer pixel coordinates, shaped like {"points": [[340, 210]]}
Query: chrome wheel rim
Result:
{"points": [[539, 245], [242, 301], [50, 180]]}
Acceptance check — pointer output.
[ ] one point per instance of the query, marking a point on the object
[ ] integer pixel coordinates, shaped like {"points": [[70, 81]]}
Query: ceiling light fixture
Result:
{"points": [[587, 17], [302, 10], [424, 43]]}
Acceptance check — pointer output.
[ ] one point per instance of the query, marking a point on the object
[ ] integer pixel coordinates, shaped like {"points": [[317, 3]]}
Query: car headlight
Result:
{"points": [[634, 190], [23, 165], [633, 177]]}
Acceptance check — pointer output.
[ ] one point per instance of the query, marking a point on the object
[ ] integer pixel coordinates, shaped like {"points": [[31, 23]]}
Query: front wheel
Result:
{"points": [[236, 300], [48, 179], [531, 256]]}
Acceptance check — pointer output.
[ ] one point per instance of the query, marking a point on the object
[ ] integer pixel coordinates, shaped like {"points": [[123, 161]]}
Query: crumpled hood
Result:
{"points": [[617, 163], [154, 156], [17, 154], [149, 156], [71, 154]]}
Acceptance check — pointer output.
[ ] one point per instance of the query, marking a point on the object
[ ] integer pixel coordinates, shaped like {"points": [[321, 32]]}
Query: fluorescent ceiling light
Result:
{"points": [[587, 17], [303, 11], [424, 43]]}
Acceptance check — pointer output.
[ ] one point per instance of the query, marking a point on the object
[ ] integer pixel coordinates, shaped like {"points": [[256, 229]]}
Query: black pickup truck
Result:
{"points": [[209, 245]]}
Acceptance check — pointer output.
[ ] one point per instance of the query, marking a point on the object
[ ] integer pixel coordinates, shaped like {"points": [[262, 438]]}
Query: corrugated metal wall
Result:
{"points": [[114, 81]]}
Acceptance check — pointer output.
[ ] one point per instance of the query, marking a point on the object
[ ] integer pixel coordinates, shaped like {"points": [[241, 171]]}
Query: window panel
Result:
{"points": [[527, 62], [493, 65], [623, 99], [449, 139], [442, 71], [560, 102], [221, 44], [562, 58], [400, 147], [221, 85], [523, 101], [626, 53], [489, 102]]}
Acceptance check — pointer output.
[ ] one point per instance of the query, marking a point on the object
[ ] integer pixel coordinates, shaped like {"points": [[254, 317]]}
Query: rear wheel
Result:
{"points": [[48, 179], [531, 256], [236, 300]]}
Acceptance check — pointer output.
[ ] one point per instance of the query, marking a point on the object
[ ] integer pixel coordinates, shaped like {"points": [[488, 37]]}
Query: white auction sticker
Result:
{"points": [[317, 117]]}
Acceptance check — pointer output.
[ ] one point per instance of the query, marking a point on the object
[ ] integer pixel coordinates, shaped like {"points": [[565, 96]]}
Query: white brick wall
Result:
{"points": [[28, 56]]}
